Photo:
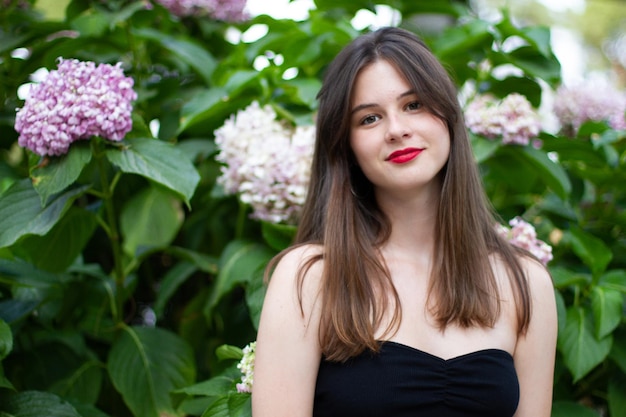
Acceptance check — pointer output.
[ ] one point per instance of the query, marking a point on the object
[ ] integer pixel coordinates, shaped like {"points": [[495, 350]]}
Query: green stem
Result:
{"points": [[112, 231]]}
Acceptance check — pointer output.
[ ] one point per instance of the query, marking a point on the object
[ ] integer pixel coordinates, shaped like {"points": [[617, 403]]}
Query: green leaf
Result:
{"points": [[172, 280], [278, 236], [21, 212], [37, 404], [255, 294], [534, 63], [217, 386], [607, 305], [591, 250], [483, 148], [146, 365], [83, 383], [6, 340], [617, 395], [60, 247], [561, 310], [233, 405], [571, 409], [226, 352], [186, 49], [60, 172], [203, 262], [151, 219], [563, 277], [552, 173], [158, 161], [91, 24], [581, 350], [4, 383], [239, 263], [615, 279]]}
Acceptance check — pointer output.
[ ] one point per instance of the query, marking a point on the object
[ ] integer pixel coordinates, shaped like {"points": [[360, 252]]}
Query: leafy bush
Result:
{"points": [[128, 273]]}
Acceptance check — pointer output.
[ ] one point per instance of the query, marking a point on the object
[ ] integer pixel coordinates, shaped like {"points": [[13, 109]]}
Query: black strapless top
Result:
{"points": [[401, 381]]}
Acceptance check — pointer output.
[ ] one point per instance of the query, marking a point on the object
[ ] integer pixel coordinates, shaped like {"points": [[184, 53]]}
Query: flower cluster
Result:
{"points": [[575, 105], [246, 366], [77, 101], [266, 162], [225, 10], [523, 235], [512, 118]]}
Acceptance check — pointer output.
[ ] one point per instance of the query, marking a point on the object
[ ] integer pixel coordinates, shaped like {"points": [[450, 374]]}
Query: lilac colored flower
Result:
{"points": [[266, 162], [246, 366], [513, 119], [523, 235], [575, 105], [77, 101], [226, 10]]}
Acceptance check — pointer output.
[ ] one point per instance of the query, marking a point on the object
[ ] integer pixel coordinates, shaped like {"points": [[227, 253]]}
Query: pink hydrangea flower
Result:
{"points": [[266, 162], [575, 105], [523, 235], [77, 101], [513, 119], [226, 10]]}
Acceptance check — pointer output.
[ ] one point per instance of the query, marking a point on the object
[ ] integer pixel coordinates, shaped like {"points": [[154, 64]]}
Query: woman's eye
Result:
{"points": [[415, 105], [369, 120]]}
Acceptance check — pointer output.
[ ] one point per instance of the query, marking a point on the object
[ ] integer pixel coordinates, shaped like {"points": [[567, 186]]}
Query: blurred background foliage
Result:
{"points": [[129, 279]]}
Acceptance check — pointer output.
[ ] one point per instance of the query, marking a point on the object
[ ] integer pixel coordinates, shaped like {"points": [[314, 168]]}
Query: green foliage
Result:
{"points": [[129, 281]]}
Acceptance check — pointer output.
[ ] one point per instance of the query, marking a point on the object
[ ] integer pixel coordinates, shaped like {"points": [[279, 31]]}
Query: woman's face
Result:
{"points": [[399, 145]]}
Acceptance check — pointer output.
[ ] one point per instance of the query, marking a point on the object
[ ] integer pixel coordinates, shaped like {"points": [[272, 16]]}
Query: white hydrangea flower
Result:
{"points": [[266, 162], [246, 366]]}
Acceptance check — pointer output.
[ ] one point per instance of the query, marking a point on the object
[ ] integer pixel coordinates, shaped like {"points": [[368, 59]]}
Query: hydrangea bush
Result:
{"points": [[78, 100]]}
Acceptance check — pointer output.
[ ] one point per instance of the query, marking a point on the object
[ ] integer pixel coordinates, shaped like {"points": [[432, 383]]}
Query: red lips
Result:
{"points": [[404, 155]]}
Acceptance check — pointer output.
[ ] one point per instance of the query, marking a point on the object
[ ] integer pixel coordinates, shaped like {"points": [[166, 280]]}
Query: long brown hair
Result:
{"points": [[341, 213]]}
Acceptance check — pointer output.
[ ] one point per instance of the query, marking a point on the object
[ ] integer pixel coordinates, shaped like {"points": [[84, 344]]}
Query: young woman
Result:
{"points": [[399, 298]]}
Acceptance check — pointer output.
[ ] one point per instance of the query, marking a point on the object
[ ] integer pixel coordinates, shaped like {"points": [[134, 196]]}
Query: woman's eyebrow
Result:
{"points": [[368, 105]]}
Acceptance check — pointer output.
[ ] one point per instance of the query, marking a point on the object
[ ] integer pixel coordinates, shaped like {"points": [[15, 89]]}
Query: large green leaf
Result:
{"points": [[60, 247], [571, 409], [60, 172], [6, 340], [591, 250], [83, 383], [551, 172], [146, 365], [240, 262], [581, 350], [158, 161], [232, 405], [151, 219], [607, 305], [36, 404], [21, 212], [186, 49]]}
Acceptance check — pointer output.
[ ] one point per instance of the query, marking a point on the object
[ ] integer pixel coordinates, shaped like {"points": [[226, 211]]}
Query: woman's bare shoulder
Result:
{"points": [[299, 272]]}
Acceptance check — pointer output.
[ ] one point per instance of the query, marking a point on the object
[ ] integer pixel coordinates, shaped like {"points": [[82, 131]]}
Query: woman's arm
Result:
{"points": [[535, 351], [287, 354]]}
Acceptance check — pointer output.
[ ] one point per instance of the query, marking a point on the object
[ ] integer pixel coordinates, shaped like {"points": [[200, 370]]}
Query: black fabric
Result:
{"points": [[400, 381]]}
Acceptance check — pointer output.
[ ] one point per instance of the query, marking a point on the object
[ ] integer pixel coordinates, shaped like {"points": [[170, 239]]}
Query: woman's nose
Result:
{"points": [[397, 128]]}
